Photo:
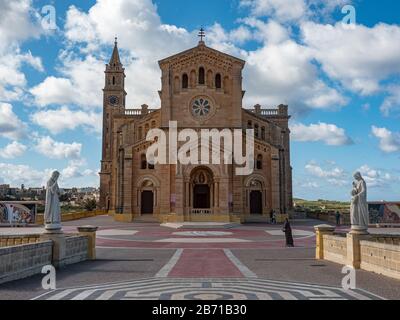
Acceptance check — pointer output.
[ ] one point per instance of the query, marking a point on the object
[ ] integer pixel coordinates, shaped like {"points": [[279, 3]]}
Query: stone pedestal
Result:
{"points": [[354, 249], [321, 230], [53, 227], [59, 246], [359, 230], [90, 232]]}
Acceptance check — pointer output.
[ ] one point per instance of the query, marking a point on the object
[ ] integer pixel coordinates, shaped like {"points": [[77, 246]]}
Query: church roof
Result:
{"points": [[201, 47]]}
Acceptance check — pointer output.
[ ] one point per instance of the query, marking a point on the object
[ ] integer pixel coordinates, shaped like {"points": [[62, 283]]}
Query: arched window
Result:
{"points": [[259, 162], [218, 81], [113, 81], [263, 133], [201, 76], [185, 81], [146, 129], [143, 162], [256, 130], [249, 125]]}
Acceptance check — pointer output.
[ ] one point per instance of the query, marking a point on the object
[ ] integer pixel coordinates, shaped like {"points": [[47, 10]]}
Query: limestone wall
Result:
{"points": [[76, 249], [15, 240], [25, 260], [335, 248], [24, 256], [73, 216], [381, 258], [376, 253]]}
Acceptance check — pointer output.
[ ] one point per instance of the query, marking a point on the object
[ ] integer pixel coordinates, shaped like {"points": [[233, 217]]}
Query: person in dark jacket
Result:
{"points": [[337, 216], [287, 229]]}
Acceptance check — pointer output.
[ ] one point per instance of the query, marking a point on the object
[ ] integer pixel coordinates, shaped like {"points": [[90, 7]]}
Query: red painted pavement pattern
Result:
{"points": [[195, 263]]}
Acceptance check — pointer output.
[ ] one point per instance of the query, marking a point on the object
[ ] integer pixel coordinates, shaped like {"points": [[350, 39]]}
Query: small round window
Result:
{"points": [[201, 107]]}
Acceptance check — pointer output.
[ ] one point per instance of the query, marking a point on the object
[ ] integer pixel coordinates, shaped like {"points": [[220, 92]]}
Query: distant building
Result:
{"points": [[384, 212]]}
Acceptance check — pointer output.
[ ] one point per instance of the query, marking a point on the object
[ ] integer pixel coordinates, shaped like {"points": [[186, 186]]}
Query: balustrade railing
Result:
{"points": [[201, 211]]}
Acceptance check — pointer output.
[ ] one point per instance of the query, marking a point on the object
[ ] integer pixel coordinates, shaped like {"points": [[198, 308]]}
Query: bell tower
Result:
{"points": [[114, 96]]}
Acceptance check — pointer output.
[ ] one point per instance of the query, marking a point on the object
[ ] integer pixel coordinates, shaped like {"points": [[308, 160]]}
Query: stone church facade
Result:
{"points": [[201, 88]]}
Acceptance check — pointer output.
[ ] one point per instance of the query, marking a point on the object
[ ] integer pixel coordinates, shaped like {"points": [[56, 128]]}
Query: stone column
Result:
{"points": [[321, 230], [59, 247], [354, 249], [90, 232]]}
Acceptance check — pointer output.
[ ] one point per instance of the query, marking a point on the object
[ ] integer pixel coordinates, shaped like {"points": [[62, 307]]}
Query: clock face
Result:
{"points": [[201, 107], [113, 100]]}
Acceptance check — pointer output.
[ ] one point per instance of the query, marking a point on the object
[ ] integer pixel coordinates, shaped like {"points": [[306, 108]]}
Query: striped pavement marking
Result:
{"points": [[170, 264], [194, 289]]}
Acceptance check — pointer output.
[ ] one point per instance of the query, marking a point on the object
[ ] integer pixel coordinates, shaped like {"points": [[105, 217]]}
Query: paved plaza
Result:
{"points": [[200, 261]]}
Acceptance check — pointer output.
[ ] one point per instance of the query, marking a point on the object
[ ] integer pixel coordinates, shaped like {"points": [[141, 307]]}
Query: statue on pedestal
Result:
{"points": [[359, 207], [52, 212]]}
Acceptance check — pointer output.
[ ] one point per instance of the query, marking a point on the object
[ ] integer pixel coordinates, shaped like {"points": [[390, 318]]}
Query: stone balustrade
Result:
{"points": [[372, 252]]}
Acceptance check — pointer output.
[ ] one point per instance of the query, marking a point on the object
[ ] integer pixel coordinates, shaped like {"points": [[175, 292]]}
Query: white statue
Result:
{"points": [[52, 212], [359, 207]]}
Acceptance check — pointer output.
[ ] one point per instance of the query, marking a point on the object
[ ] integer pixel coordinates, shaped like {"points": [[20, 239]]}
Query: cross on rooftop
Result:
{"points": [[202, 34]]}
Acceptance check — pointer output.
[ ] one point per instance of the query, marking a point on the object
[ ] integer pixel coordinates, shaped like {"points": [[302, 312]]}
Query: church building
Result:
{"points": [[201, 88]]}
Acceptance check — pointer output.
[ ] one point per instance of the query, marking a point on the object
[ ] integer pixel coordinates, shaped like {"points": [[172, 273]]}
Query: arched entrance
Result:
{"points": [[147, 197], [255, 195], [202, 188], [147, 202], [255, 202], [201, 196]]}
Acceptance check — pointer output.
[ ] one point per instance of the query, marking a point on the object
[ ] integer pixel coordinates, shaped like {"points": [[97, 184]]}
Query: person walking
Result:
{"points": [[338, 218], [271, 216], [287, 229], [274, 217]]}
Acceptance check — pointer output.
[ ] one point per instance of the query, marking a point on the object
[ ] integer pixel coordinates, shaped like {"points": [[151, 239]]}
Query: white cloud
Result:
{"points": [[81, 84], [330, 134], [13, 150], [310, 185], [389, 141], [18, 21], [59, 120], [58, 150], [293, 10], [281, 10], [16, 175], [376, 178], [392, 101], [332, 173], [359, 58], [11, 126], [74, 170]]}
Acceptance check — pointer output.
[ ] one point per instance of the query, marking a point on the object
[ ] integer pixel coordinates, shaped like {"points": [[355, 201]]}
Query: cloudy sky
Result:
{"points": [[341, 82]]}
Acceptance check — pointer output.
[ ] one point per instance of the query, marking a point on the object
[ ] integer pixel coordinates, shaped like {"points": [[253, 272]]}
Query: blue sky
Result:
{"points": [[342, 84]]}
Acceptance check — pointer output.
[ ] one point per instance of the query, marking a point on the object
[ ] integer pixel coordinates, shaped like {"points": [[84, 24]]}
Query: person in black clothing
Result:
{"points": [[337, 218], [287, 229]]}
